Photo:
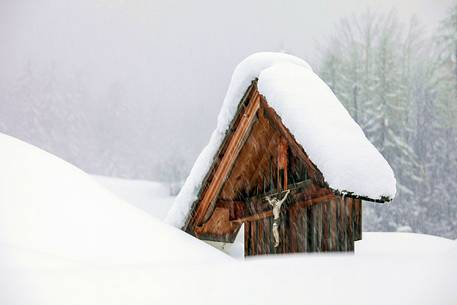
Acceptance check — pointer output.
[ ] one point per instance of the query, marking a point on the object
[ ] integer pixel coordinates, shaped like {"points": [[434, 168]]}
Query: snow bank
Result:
{"points": [[150, 196], [367, 277], [319, 122], [394, 243], [51, 207]]}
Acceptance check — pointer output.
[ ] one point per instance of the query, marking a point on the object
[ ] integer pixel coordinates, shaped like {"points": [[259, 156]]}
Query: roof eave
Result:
{"points": [[382, 199]]}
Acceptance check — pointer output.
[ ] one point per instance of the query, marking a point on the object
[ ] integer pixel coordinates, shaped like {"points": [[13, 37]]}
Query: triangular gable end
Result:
{"points": [[288, 131], [258, 156]]}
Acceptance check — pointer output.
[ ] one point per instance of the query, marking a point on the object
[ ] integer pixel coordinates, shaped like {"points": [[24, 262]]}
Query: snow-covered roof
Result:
{"points": [[334, 142]]}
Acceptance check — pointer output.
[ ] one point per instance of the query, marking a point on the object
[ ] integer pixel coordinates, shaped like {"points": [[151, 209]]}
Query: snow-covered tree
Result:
{"points": [[368, 66], [401, 87], [446, 107]]}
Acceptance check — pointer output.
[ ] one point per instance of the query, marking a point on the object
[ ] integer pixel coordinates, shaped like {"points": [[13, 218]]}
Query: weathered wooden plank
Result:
{"points": [[318, 226], [360, 222], [357, 219], [256, 217], [287, 229], [282, 165], [311, 229], [253, 238], [269, 213], [293, 230], [190, 221], [296, 190], [333, 226], [299, 225], [313, 201], [305, 231], [343, 223], [340, 225], [262, 167], [260, 237], [247, 238], [266, 236], [253, 162], [271, 239], [234, 146], [280, 248], [325, 226], [218, 227], [349, 226]]}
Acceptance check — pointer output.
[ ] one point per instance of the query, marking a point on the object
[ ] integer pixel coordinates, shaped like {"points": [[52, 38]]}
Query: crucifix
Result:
{"points": [[276, 205]]}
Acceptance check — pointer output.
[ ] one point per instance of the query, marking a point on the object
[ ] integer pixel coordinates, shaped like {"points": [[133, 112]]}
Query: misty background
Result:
{"points": [[132, 89]]}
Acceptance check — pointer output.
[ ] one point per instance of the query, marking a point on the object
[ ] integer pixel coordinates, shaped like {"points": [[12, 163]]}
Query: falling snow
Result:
{"points": [[313, 114]]}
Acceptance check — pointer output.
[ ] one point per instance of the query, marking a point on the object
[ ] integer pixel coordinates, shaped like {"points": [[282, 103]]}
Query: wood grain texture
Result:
{"points": [[259, 157], [234, 147]]}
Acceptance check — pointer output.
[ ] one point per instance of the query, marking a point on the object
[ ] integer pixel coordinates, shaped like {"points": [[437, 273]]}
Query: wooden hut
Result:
{"points": [[257, 163]]}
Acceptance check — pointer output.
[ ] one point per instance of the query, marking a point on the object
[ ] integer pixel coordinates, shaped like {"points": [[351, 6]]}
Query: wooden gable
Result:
{"points": [[259, 156]]}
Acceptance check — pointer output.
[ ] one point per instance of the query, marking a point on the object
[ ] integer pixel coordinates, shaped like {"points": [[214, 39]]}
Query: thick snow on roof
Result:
{"points": [[50, 207], [321, 125]]}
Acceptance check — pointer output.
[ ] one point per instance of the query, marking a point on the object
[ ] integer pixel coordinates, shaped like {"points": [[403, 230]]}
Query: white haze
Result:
{"points": [[140, 81]]}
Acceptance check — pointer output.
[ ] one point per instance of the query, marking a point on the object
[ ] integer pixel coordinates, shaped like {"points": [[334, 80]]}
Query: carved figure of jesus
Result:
{"points": [[276, 204]]}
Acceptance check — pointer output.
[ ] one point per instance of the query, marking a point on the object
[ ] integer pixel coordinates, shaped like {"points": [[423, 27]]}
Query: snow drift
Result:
{"points": [[50, 206], [404, 275], [66, 240], [150, 196]]}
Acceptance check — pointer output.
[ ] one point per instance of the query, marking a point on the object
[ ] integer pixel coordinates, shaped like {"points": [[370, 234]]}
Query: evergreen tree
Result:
{"points": [[446, 84], [373, 81], [401, 87]]}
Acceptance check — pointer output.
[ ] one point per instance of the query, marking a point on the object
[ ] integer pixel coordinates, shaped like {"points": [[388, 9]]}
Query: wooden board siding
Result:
{"points": [[255, 155], [247, 240], [325, 226], [311, 228], [220, 223], [357, 219], [333, 225], [258, 158], [294, 231], [340, 228], [349, 225]]}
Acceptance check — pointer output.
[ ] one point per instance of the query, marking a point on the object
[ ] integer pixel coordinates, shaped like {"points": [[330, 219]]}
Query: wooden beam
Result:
{"points": [[255, 217], [311, 201], [269, 213], [383, 199], [233, 148], [281, 180], [239, 209], [218, 227], [293, 188]]}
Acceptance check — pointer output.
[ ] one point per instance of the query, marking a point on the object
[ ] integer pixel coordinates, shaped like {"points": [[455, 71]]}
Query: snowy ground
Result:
{"points": [[150, 196], [65, 239]]}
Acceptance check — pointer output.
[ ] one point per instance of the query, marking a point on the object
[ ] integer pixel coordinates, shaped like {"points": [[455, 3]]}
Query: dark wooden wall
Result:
{"points": [[259, 157], [327, 226]]}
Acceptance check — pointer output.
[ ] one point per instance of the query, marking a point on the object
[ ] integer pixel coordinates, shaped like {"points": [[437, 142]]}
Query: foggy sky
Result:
{"points": [[172, 59]]}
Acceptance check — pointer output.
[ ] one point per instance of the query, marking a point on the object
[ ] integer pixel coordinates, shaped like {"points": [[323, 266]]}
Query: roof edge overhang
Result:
{"points": [[382, 199], [189, 223]]}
